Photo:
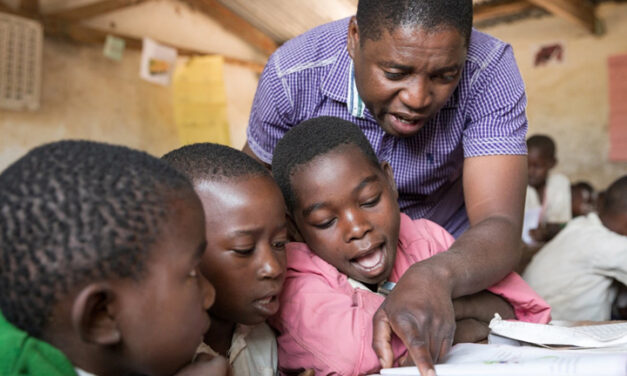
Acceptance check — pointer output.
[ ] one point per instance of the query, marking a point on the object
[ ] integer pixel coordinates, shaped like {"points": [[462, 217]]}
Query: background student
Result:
{"points": [[548, 193], [575, 271]]}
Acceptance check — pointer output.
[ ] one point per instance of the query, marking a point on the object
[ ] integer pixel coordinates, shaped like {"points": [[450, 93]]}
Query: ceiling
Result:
{"points": [[268, 23]]}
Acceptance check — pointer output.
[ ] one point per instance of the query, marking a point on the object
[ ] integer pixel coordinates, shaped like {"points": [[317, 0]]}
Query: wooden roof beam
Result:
{"points": [[84, 34], [29, 7], [484, 12], [92, 10], [581, 12], [235, 24]]}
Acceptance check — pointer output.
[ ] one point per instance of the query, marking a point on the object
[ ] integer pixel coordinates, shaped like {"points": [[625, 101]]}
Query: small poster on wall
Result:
{"points": [[157, 62], [548, 54], [199, 99], [618, 107]]}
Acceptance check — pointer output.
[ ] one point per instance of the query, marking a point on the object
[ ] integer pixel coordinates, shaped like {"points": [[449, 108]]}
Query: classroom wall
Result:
{"points": [[569, 101], [85, 95]]}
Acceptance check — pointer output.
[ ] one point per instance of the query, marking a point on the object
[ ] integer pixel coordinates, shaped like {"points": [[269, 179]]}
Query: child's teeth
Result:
{"points": [[370, 260]]}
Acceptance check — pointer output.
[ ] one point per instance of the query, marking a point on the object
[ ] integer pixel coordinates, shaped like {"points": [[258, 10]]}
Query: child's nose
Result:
{"points": [[356, 225], [272, 264]]}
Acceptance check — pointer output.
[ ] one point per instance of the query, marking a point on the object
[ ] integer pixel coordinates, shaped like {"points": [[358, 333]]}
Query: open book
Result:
{"points": [[469, 359], [611, 336], [596, 350]]}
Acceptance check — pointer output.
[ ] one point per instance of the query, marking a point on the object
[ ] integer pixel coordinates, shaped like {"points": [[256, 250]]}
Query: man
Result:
{"points": [[444, 105]]}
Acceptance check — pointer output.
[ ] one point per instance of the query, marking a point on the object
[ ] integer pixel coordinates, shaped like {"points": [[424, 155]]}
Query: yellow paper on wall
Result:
{"points": [[199, 100]]}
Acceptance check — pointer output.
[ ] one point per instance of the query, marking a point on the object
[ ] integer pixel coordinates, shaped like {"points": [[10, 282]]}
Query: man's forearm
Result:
{"points": [[479, 258]]}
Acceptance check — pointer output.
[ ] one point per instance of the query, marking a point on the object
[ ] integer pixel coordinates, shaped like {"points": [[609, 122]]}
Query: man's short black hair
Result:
{"points": [[615, 198], [73, 212], [214, 162], [543, 143], [310, 139], [374, 16]]}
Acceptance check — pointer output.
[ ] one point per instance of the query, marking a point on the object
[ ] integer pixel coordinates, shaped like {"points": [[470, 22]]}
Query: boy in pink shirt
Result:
{"points": [[342, 203]]}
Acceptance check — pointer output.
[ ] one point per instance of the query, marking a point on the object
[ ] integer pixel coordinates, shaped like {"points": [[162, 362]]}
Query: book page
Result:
{"points": [[592, 336], [502, 360]]}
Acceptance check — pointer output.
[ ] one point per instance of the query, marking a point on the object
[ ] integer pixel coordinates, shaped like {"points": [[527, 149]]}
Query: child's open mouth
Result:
{"points": [[268, 305], [371, 263]]}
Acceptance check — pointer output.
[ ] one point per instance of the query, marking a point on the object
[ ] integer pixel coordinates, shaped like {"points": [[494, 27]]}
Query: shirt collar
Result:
{"points": [[340, 85]]}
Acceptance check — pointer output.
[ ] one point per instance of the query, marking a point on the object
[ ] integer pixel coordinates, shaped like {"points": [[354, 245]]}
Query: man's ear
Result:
{"points": [[93, 315], [353, 37], [389, 174], [292, 230]]}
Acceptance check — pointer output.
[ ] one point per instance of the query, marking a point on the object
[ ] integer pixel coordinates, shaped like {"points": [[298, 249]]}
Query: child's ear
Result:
{"points": [[389, 174], [553, 162], [93, 316], [292, 230]]}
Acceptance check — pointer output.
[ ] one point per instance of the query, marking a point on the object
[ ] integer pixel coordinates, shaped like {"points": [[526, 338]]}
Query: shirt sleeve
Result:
{"points": [[327, 329], [528, 305], [271, 112], [497, 124]]}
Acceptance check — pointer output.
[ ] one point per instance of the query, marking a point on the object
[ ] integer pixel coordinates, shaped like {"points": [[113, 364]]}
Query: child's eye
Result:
{"points": [[372, 202], [279, 245], [193, 273], [325, 224], [243, 251]]}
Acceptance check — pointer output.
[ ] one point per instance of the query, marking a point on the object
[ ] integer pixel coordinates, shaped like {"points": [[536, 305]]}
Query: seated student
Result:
{"points": [[245, 258], [343, 204], [548, 202], [583, 198], [100, 247], [574, 272]]}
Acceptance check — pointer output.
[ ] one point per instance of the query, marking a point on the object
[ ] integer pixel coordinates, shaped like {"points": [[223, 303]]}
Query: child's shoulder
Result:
{"points": [[303, 264], [29, 355], [422, 230]]}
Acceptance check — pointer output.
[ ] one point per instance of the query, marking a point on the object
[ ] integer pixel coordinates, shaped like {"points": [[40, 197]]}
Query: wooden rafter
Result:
{"points": [[484, 12], [235, 24], [95, 9], [29, 7], [581, 12], [85, 34]]}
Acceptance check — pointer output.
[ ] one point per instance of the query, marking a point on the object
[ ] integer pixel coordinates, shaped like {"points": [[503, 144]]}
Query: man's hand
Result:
{"points": [[420, 311]]}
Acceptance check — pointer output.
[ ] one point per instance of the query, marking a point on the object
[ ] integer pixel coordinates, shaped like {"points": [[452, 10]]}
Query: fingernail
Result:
{"points": [[431, 372]]}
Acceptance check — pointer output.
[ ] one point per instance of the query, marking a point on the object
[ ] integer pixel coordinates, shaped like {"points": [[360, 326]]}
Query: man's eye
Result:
{"points": [[447, 77], [393, 75]]}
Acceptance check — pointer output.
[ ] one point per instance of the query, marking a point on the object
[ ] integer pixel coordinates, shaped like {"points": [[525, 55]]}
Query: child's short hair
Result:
{"points": [[543, 143], [615, 198], [310, 139], [213, 162], [75, 211]]}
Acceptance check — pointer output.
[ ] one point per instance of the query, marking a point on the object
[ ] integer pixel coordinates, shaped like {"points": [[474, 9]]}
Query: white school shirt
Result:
{"points": [[557, 203], [253, 351], [574, 271]]}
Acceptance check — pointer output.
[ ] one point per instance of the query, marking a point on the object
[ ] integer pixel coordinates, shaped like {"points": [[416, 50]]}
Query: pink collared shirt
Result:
{"points": [[326, 324]]}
